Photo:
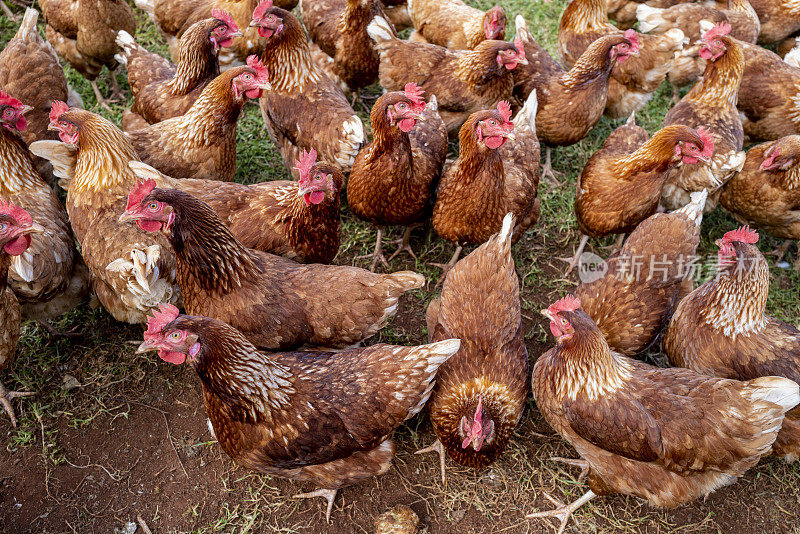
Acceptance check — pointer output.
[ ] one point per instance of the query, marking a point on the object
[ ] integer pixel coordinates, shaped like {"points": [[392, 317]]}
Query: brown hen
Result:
{"points": [[455, 25]]}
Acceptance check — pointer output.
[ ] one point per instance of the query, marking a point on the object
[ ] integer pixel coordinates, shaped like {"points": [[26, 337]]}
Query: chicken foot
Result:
{"points": [[54, 333], [563, 511], [405, 244], [328, 494], [445, 267], [583, 464], [5, 400], [377, 255], [780, 251], [548, 173], [436, 447], [574, 260]]}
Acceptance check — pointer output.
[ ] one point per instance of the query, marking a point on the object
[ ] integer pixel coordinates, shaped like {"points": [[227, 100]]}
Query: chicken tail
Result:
{"points": [[144, 286], [127, 45], [522, 29], [694, 209], [777, 390], [793, 57], [380, 31], [504, 237], [28, 26], [433, 104], [145, 172], [62, 157], [649, 18], [407, 280], [527, 115], [435, 354], [632, 119]]}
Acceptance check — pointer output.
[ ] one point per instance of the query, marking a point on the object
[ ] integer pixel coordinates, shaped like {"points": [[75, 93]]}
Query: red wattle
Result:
{"points": [[172, 357], [407, 125], [495, 141], [18, 246], [22, 124], [316, 197], [149, 226]]}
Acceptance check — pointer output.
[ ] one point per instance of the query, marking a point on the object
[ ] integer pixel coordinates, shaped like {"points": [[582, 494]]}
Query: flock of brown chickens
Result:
{"points": [[153, 222]]}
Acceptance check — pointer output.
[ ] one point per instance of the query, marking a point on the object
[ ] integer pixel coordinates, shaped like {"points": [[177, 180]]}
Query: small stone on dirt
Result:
{"points": [[399, 520], [127, 528], [69, 382], [457, 515]]}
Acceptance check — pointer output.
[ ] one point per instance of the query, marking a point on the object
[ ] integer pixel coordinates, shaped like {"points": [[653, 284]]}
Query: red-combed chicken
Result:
{"points": [[305, 109], [274, 302], [711, 104], [721, 328], [634, 298], [175, 17], [341, 46], [570, 102], [202, 142], [30, 71], [779, 19], [621, 184], [463, 81], [480, 392], [298, 220], [319, 417], [392, 178], [766, 192], [497, 172], [633, 82], [48, 278], [455, 25], [16, 227], [131, 270], [692, 20], [84, 34], [667, 436], [162, 90], [769, 96]]}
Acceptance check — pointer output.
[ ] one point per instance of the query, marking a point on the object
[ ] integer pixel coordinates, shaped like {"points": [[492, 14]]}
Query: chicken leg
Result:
{"points": [[327, 494], [6, 398], [377, 255], [445, 267], [436, 447], [100, 98], [583, 464], [574, 261], [564, 511], [547, 170], [405, 245]]}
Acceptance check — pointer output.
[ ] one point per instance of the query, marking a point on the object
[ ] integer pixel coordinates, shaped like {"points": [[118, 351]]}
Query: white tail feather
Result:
{"points": [[694, 209], [146, 5], [144, 287], [62, 157], [143, 171], [433, 104], [632, 119], [781, 391], [506, 230], [379, 30], [27, 25], [127, 45], [522, 28], [793, 56], [528, 113], [649, 17]]}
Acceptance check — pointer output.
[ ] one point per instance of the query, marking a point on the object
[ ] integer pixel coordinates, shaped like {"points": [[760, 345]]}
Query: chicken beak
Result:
{"points": [[303, 191], [25, 109], [547, 314], [419, 116], [52, 127], [237, 33], [523, 61], [127, 216], [146, 346], [510, 136], [34, 228], [253, 24]]}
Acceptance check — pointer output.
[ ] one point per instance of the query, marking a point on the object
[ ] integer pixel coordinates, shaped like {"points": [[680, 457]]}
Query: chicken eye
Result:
{"points": [[153, 206], [8, 112], [270, 17], [402, 105], [175, 335], [492, 122], [247, 77], [563, 321], [3, 227], [318, 177]]}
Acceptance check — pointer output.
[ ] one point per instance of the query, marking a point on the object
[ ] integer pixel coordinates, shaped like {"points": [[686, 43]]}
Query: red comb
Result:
{"points": [[57, 109], [224, 16], [20, 215], [262, 74], [504, 109], [708, 141], [306, 161], [720, 29], [139, 191], [414, 93], [568, 303], [520, 47], [633, 37], [8, 100], [742, 234], [165, 314], [261, 9]]}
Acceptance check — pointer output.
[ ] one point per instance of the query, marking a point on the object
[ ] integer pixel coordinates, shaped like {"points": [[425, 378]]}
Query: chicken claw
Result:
{"points": [[328, 494], [548, 173], [405, 245], [5, 400], [574, 260], [436, 447], [563, 511], [583, 464], [376, 256], [445, 267]]}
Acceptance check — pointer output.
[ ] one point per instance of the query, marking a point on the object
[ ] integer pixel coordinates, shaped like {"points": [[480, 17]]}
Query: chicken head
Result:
{"points": [[407, 108], [67, 131], [476, 429], [253, 80], [173, 344], [494, 23], [690, 151], [267, 19], [12, 113], [150, 214], [713, 46], [314, 184], [512, 55], [494, 127], [734, 248], [782, 154], [16, 225], [627, 48], [560, 326], [223, 33]]}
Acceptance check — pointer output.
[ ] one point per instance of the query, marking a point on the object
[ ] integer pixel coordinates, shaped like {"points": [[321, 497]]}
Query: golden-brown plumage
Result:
{"points": [[305, 109], [665, 435], [338, 29], [633, 82], [274, 302], [779, 19], [571, 102], [30, 71], [769, 96], [202, 142], [162, 90], [721, 329], [766, 192], [49, 278], [393, 177], [485, 183], [480, 305], [463, 81], [621, 184], [632, 302], [455, 25], [687, 17], [711, 104], [325, 418]]}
